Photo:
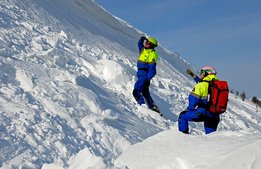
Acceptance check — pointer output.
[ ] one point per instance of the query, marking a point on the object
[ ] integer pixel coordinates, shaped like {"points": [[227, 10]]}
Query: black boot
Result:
{"points": [[156, 109]]}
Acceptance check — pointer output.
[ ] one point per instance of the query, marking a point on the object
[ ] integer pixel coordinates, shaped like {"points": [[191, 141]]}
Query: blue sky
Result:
{"points": [[224, 33]]}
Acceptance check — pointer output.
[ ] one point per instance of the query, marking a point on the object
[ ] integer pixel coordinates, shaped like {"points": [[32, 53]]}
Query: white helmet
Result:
{"points": [[208, 69]]}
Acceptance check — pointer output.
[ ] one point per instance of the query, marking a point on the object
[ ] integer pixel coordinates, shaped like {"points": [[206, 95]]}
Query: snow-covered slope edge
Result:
{"points": [[67, 70], [172, 149]]}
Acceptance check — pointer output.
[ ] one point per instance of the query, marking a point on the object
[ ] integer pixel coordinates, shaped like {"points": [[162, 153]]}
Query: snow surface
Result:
{"points": [[171, 149], [67, 70]]}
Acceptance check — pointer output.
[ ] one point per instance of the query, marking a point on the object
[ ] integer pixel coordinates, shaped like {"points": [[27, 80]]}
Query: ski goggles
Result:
{"points": [[207, 71]]}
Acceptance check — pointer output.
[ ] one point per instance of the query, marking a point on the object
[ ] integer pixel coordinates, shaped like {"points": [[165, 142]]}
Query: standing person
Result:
{"points": [[146, 65], [197, 110]]}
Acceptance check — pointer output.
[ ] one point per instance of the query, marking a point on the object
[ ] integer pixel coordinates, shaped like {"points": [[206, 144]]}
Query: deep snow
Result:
{"points": [[67, 69]]}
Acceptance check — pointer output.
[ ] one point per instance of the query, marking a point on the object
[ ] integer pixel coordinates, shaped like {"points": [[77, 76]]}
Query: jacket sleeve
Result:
{"points": [[140, 43], [194, 98], [197, 79], [193, 101]]}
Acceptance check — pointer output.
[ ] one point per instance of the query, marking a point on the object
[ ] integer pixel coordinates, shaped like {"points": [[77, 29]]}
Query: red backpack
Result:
{"points": [[218, 91]]}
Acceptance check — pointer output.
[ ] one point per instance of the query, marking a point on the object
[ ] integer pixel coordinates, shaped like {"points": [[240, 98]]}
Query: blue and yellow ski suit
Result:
{"points": [[146, 65], [197, 108]]}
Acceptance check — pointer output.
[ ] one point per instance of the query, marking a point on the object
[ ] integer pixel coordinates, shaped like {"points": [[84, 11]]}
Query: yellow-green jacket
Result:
{"points": [[199, 95], [146, 62]]}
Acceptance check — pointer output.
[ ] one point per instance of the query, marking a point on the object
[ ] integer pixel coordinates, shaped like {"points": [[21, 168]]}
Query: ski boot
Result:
{"points": [[156, 109]]}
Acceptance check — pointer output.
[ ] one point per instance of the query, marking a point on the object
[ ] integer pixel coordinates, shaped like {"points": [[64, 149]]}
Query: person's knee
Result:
{"points": [[137, 95], [181, 115], [183, 112], [135, 92]]}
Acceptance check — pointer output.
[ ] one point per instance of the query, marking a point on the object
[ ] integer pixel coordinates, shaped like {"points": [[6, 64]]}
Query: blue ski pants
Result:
{"points": [[141, 91], [198, 115]]}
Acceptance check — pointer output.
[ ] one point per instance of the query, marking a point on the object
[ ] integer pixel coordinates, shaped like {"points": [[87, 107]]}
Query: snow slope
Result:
{"points": [[67, 69]]}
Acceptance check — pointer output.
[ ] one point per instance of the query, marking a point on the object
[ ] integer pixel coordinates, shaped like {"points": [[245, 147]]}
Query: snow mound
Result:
{"points": [[172, 149], [112, 73]]}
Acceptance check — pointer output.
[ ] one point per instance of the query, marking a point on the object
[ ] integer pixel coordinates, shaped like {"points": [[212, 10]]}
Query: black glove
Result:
{"points": [[190, 73], [143, 38], [146, 83]]}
